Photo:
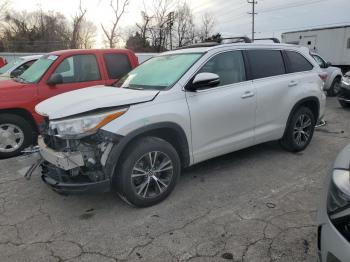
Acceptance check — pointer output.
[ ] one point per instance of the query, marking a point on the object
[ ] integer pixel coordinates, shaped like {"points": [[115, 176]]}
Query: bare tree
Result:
{"points": [[4, 5], [119, 9], [208, 24], [87, 34], [78, 19], [144, 27], [184, 25]]}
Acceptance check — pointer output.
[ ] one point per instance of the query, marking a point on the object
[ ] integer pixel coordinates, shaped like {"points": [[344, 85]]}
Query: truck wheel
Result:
{"points": [[15, 134], [149, 171], [335, 87], [344, 104], [299, 131]]}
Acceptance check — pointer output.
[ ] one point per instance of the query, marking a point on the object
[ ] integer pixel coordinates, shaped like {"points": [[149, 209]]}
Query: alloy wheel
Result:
{"points": [[11, 138], [302, 130], [152, 174]]}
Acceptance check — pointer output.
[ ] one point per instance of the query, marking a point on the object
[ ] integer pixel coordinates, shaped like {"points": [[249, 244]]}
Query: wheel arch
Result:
{"points": [[170, 132], [23, 113], [311, 102]]}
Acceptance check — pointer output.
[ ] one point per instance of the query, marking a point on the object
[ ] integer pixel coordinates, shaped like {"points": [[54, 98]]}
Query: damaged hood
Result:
{"points": [[91, 98]]}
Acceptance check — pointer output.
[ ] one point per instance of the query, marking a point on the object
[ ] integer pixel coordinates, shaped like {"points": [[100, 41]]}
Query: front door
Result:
{"points": [[77, 71], [222, 117]]}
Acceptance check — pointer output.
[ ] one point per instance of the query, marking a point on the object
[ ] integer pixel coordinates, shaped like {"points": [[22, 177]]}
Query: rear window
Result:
{"points": [[118, 65], [266, 63], [297, 62]]}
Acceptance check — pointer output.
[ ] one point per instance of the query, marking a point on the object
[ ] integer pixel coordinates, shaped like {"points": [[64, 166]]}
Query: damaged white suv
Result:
{"points": [[176, 110]]}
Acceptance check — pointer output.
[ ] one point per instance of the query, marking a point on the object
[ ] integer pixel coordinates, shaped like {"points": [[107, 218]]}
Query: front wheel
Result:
{"points": [[15, 134], [299, 131], [148, 173]]}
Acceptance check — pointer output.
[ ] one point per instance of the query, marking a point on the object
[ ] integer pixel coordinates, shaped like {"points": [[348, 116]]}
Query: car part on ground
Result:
{"points": [[175, 110], [334, 212]]}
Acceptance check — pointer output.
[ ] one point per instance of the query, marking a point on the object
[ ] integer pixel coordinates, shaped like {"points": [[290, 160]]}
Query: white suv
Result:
{"points": [[176, 110]]}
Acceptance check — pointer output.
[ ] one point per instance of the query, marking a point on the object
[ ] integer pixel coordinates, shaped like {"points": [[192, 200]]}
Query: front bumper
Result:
{"points": [[56, 172], [344, 95]]}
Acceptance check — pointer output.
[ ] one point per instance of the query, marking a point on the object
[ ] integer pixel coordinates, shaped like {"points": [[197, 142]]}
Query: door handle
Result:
{"points": [[247, 94], [292, 83]]}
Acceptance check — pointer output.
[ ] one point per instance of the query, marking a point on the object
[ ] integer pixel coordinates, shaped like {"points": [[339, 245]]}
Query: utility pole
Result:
{"points": [[253, 13], [170, 24]]}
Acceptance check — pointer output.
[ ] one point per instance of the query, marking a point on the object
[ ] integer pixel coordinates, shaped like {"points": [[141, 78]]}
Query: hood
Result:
{"points": [[5, 77], [91, 98], [8, 85]]}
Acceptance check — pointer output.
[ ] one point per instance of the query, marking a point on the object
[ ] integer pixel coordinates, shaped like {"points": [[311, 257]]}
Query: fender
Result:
{"points": [[117, 150]]}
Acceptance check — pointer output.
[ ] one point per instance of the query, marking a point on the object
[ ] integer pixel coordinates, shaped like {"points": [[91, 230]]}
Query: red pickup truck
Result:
{"points": [[53, 74]]}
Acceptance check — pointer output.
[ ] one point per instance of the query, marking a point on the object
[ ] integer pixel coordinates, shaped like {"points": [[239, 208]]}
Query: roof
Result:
{"points": [[84, 51], [317, 29], [31, 57]]}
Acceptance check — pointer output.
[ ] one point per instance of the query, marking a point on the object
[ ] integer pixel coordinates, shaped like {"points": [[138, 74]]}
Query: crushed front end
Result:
{"points": [[76, 165]]}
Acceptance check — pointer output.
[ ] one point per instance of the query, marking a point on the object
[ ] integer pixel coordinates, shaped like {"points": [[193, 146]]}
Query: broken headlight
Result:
{"points": [[82, 126], [339, 192]]}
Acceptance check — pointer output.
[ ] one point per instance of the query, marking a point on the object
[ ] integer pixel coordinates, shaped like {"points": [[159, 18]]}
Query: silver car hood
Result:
{"points": [[91, 98]]}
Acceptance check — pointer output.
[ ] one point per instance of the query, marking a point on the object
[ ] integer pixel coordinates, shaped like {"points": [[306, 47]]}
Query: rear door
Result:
{"points": [[268, 71], [77, 71], [117, 66], [222, 117]]}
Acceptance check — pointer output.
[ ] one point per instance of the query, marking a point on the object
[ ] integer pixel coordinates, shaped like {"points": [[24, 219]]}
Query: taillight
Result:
{"points": [[323, 76]]}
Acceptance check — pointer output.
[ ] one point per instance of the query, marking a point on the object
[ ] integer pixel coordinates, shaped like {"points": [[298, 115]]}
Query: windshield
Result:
{"points": [[34, 73], [159, 72], [8, 66]]}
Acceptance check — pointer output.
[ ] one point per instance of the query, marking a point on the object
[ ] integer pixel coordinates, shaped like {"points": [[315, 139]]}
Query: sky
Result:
{"points": [[231, 18]]}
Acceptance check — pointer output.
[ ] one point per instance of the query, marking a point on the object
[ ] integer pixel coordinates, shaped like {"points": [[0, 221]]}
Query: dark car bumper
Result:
{"points": [[344, 95], [76, 188]]}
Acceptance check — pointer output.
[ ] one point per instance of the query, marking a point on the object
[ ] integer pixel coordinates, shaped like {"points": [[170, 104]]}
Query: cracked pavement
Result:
{"points": [[258, 204]]}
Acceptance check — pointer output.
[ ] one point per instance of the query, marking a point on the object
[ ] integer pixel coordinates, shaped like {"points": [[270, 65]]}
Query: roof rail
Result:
{"points": [[236, 39], [205, 44], [273, 39]]}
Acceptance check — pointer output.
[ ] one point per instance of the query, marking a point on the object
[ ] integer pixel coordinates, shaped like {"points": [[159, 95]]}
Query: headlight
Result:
{"points": [[339, 192], [84, 125], [345, 82]]}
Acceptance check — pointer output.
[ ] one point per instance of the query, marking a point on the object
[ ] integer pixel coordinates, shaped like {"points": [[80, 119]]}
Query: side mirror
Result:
{"points": [[55, 79], [204, 80], [328, 64]]}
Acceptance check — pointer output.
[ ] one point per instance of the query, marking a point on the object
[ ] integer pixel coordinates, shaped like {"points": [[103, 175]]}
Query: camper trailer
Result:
{"points": [[332, 43]]}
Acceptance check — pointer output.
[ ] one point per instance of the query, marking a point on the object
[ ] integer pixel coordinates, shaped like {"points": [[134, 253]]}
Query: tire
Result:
{"points": [[344, 104], [147, 187], [334, 88], [294, 130], [16, 133]]}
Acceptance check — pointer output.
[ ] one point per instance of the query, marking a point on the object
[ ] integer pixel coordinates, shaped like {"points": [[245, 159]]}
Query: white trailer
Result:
{"points": [[332, 43]]}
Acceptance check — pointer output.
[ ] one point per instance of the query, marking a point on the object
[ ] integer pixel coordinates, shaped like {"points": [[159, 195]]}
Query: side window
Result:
{"points": [[118, 65], [319, 61], [266, 63], [79, 68], [348, 45], [297, 62], [229, 66]]}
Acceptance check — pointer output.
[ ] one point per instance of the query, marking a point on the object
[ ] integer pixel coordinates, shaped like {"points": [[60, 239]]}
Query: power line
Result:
{"points": [[253, 13], [291, 6]]}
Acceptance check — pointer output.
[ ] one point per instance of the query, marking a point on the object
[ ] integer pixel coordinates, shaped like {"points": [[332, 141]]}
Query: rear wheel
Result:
{"points": [[15, 134], [149, 171], [299, 131], [335, 87]]}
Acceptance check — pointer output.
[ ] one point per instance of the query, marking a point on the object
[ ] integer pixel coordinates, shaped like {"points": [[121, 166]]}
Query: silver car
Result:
{"points": [[334, 75], [334, 212], [17, 66]]}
